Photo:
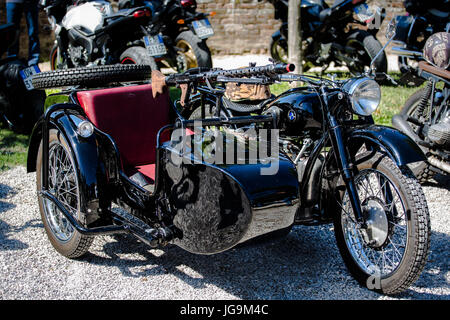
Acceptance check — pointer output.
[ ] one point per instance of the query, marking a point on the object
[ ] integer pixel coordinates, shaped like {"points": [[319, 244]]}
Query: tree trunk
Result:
{"points": [[295, 36]]}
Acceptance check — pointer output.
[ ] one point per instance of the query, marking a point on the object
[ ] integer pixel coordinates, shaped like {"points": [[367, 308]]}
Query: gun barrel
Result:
{"points": [[198, 74]]}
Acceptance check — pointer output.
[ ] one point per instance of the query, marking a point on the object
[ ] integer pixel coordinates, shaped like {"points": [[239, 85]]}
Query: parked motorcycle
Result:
{"points": [[177, 33], [89, 153], [91, 34], [423, 19], [328, 35], [425, 117], [20, 105]]}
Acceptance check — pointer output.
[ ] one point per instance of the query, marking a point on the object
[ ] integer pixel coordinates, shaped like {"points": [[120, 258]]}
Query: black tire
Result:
{"points": [[422, 170], [200, 55], [279, 52], [138, 55], [53, 58], [76, 244], [363, 40], [279, 49], [197, 113], [92, 76], [58, 65], [413, 225]]}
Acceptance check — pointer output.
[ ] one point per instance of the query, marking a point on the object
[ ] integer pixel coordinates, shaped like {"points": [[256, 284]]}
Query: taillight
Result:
{"points": [[357, 1], [142, 13], [188, 3]]}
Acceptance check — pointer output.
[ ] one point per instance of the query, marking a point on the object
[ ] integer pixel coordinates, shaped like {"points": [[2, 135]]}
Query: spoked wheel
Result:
{"points": [[389, 253], [64, 185]]}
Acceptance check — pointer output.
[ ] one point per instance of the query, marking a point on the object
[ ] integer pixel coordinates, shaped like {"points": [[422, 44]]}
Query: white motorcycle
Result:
{"points": [[92, 34]]}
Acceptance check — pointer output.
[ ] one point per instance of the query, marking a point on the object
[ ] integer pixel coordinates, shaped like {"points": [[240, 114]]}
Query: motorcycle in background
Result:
{"points": [[328, 35], [425, 117], [423, 19], [177, 33], [91, 34], [20, 105]]}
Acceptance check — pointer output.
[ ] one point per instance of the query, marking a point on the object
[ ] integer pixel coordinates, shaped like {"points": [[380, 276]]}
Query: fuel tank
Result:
{"points": [[218, 205], [87, 17], [300, 111]]}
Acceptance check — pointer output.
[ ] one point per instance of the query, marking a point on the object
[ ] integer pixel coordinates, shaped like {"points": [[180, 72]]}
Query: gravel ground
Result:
{"points": [[304, 265]]}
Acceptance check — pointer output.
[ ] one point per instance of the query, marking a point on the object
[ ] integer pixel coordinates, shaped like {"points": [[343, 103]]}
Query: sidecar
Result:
{"points": [[107, 161]]}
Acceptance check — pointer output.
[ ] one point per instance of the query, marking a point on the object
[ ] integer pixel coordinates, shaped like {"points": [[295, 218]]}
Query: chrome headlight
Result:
{"points": [[365, 95]]}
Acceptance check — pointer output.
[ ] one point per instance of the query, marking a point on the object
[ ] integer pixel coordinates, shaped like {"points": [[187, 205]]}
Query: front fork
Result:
{"points": [[344, 166]]}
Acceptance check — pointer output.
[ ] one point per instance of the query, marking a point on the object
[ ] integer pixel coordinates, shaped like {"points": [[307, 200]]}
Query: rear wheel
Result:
{"points": [[194, 52], [388, 254], [365, 47], [138, 55], [279, 50], [63, 184]]}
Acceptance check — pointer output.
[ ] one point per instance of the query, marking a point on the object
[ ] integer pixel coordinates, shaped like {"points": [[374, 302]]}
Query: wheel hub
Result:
{"points": [[377, 230]]}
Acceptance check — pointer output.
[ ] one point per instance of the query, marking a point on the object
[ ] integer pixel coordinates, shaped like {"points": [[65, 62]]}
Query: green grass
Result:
{"points": [[13, 147]]}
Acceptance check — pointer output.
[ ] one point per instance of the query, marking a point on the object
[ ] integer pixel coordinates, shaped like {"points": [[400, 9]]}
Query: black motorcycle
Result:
{"points": [[90, 33], [177, 34], [423, 19], [20, 105], [348, 171], [425, 117], [328, 35]]}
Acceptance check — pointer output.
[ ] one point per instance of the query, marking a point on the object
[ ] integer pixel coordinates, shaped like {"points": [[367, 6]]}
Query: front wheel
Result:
{"points": [[64, 185], [389, 253], [57, 61]]}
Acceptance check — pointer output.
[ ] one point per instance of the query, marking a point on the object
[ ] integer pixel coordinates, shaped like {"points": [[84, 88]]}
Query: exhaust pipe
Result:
{"points": [[444, 166], [402, 125], [405, 52]]}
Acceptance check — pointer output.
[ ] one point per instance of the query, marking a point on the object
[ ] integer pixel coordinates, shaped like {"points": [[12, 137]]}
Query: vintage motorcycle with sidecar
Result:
{"points": [[103, 146]]}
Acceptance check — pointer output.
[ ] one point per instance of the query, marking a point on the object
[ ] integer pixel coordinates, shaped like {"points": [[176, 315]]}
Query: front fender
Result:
{"points": [[401, 148], [89, 162]]}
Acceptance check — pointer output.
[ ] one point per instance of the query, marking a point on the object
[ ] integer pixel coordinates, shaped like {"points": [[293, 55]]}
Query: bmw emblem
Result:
{"points": [[292, 115]]}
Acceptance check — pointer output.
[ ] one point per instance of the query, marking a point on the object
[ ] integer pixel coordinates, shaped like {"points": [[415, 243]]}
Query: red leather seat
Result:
{"points": [[133, 118]]}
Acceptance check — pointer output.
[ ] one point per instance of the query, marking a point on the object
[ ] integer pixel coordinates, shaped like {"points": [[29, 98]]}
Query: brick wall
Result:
{"points": [[46, 36], [246, 26], [240, 26]]}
